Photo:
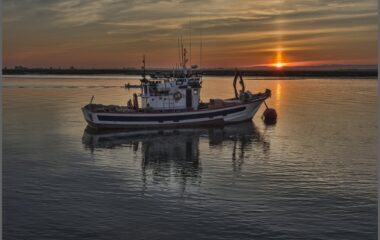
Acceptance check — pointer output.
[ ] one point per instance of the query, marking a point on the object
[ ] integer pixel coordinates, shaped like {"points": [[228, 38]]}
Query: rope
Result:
{"points": [[266, 105]]}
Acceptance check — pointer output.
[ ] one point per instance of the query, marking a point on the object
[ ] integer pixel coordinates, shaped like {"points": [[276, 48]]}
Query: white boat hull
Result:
{"points": [[226, 115]]}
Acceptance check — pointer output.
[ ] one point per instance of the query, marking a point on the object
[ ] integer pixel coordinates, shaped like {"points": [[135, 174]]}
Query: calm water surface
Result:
{"points": [[310, 176]]}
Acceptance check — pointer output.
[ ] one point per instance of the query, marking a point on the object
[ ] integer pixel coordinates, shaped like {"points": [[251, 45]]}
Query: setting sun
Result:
{"points": [[279, 65], [279, 62]]}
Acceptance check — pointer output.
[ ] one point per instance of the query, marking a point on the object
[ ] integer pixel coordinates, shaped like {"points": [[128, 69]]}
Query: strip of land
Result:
{"points": [[209, 72]]}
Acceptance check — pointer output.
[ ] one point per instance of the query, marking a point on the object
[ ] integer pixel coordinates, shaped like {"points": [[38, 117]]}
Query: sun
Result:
{"points": [[279, 65], [279, 61]]}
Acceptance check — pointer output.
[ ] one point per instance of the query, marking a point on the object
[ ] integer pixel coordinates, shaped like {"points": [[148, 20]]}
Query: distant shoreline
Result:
{"points": [[206, 72]]}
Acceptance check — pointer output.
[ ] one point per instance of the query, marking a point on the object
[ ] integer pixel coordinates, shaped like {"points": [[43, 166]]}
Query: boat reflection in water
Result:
{"points": [[176, 152]]}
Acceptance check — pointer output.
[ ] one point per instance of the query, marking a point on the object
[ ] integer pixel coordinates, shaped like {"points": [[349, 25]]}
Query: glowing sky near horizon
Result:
{"points": [[116, 33]]}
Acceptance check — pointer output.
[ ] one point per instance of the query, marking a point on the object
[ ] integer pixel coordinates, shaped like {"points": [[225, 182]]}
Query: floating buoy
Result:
{"points": [[269, 115]]}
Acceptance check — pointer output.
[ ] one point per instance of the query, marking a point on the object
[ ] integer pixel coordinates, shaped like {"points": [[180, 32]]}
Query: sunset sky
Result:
{"points": [[116, 33]]}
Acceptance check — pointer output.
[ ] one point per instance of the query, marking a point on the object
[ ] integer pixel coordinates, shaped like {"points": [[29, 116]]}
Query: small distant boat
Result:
{"points": [[128, 85], [174, 101]]}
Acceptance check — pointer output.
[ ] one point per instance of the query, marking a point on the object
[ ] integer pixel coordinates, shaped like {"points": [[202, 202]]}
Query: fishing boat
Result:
{"points": [[174, 101], [128, 85]]}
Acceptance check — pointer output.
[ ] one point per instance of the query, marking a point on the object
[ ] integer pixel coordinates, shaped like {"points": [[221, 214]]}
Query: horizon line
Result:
{"points": [[371, 66]]}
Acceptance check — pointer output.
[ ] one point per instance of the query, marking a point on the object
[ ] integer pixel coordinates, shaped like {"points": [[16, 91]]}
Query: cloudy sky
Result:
{"points": [[116, 33]]}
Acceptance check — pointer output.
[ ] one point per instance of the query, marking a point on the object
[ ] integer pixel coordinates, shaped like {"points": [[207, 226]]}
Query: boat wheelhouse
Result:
{"points": [[173, 93]]}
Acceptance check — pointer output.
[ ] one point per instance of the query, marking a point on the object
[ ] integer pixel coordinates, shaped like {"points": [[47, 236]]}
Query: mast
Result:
{"points": [[200, 43], [190, 41], [182, 52], [143, 68], [179, 53], [184, 58]]}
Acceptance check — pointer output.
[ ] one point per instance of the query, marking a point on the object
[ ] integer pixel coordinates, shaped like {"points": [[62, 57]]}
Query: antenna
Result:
{"points": [[200, 42], [182, 60], [184, 57], [179, 53], [143, 68], [190, 41], [200, 54]]}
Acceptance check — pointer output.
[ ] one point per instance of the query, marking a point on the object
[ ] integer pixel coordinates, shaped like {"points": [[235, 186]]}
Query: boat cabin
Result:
{"points": [[173, 93]]}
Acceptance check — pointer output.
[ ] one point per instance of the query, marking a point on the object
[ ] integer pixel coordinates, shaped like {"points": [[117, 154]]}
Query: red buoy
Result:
{"points": [[270, 116]]}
